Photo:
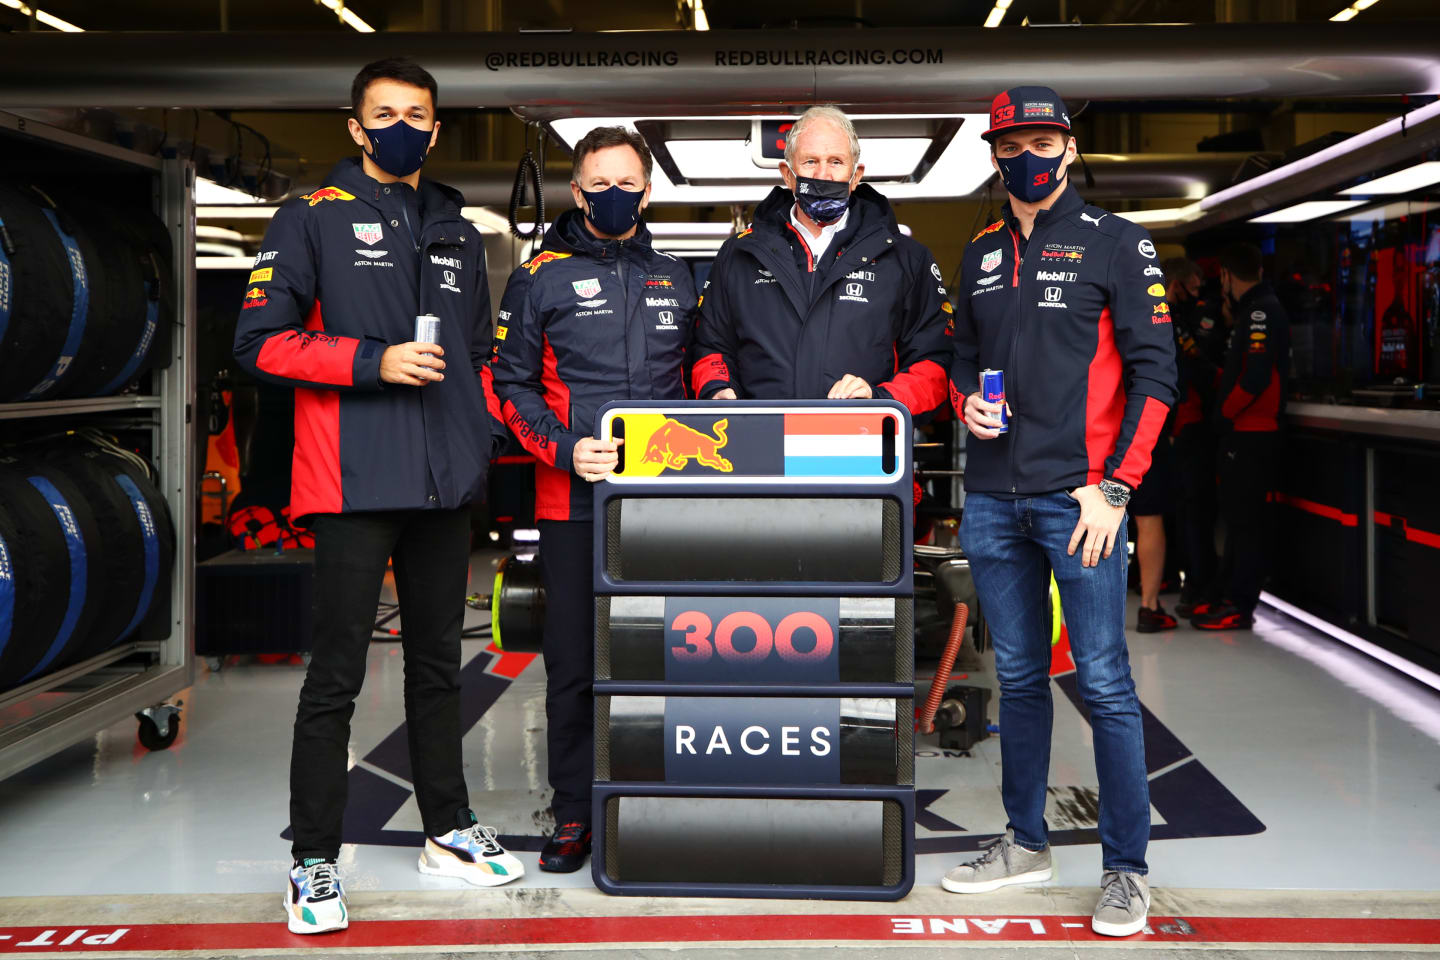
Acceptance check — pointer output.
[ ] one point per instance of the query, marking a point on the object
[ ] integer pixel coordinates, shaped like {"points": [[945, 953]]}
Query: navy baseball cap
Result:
{"points": [[1027, 107]]}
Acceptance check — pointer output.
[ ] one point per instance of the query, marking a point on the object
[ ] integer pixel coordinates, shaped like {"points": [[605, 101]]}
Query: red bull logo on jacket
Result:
{"points": [[327, 193]]}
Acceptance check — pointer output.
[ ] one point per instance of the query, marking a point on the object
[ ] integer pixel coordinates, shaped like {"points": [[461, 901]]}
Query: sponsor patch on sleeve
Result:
{"points": [[262, 276]]}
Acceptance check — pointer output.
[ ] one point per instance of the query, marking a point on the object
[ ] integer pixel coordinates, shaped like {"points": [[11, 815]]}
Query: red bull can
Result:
{"points": [[992, 390], [427, 329]]}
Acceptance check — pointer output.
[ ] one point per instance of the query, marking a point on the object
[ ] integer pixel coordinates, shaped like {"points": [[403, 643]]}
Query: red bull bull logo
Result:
{"points": [[542, 258], [254, 297], [675, 445], [327, 193]]}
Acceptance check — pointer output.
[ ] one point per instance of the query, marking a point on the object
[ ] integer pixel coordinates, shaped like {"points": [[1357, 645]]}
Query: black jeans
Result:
{"points": [[431, 549], [1247, 476], [1195, 514], [569, 647]]}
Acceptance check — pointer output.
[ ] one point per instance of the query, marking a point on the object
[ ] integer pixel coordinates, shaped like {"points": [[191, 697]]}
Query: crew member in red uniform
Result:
{"points": [[1249, 405]]}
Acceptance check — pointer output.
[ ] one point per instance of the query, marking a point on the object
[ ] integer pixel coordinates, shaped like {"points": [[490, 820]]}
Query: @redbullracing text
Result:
{"points": [[582, 58]]}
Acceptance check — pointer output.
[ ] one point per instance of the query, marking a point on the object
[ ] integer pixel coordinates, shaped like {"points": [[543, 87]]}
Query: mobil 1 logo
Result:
{"points": [[752, 639], [752, 740]]}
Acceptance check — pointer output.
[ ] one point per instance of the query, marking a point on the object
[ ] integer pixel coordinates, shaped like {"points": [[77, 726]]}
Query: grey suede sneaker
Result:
{"points": [[1004, 862], [1124, 904]]}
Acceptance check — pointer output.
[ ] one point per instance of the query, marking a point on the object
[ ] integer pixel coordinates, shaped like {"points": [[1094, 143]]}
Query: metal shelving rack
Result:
{"points": [[136, 678]]}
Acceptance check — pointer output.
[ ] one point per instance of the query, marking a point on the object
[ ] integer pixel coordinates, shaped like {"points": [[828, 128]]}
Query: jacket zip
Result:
{"points": [[1015, 336], [623, 275]]}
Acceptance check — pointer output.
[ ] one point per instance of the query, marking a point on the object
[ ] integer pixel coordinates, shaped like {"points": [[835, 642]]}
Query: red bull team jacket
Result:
{"points": [[776, 324], [341, 275], [1251, 397], [583, 322], [1076, 319]]}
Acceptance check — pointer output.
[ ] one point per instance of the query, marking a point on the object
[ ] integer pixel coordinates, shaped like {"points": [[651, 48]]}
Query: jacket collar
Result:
{"points": [[437, 201], [568, 234], [1067, 203], [869, 210]]}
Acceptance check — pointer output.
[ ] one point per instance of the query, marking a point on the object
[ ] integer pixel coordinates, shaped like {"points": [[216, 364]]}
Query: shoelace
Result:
{"points": [[1119, 888], [993, 849], [322, 878], [485, 837], [570, 833]]}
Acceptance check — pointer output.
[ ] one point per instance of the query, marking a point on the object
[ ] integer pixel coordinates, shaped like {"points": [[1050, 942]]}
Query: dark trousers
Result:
{"points": [[431, 549], [1195, 510], [566, 569], [1247, 476]]}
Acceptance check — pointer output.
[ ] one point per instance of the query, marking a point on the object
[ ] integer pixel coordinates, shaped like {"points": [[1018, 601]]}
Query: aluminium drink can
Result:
{"points": [[427, 329], [992, 390]]}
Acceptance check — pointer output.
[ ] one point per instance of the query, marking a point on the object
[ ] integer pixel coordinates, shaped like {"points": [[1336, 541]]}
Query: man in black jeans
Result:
{"points": [[598, 314], [389, 453]]}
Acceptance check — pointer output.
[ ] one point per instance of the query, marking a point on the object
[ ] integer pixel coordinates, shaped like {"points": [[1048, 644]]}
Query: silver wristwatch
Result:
{"points": [[1116, 494]]}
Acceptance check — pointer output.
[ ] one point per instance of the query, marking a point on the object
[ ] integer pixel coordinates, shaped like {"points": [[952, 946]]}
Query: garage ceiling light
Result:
{"points": [[962, 167], [1393, 210], [1349, 12], [997, 12], [1402, 181], [884, 158], [1309, 210], [346, 15], [49, 19]]}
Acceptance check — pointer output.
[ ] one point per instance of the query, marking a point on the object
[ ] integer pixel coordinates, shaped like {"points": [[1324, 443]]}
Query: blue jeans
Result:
{"points": [[1011, 544]]}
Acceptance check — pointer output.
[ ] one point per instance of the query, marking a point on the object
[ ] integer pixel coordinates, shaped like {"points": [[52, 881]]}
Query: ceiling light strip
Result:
{"points": [[1349, 12], [997, 13], [49, 19]]}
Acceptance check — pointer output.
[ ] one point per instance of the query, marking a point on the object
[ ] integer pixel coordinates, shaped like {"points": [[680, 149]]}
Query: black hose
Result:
{"points": [[535, 169]]}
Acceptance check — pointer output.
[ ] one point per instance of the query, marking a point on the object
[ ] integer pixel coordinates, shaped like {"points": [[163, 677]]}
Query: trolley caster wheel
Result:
{"points": [[216, 664], [159, 726]]}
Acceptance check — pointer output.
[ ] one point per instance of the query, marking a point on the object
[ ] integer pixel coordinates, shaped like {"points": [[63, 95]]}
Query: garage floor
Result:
{"points": [[1299, 779]]}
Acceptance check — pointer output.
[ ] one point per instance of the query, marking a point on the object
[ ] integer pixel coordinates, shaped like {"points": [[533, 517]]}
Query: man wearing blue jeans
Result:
{"points": [[1068, 301]]}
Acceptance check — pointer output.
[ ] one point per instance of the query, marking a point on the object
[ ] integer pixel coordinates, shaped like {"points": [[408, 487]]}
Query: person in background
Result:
{"points": [[1197, 337], [392, 445], [598, 314], [1249, 405]]}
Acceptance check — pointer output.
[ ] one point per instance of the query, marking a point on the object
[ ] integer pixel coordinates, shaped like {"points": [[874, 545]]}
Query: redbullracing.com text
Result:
{"points": [[826, 58]]}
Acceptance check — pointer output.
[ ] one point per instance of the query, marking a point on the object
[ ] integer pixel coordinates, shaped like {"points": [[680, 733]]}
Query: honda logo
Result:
{"points": [[450, 277], [853, 289], [667, 317], [1052, 294]]}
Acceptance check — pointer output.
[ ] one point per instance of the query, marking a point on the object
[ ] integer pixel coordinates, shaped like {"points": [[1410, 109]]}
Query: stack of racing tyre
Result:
{"points": [[87, 549], [86, 285]]}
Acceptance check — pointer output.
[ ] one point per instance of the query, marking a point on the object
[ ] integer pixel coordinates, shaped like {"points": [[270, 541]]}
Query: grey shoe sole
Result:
{"points": [[985, 886], [1119, 929]]}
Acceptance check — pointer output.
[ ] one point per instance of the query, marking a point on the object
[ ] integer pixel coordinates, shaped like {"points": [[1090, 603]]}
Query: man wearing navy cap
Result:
{"points": [[1068, 301]]}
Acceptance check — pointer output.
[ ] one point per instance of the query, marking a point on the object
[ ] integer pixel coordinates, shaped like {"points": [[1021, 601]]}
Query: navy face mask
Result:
{"points": [[823, 201], [614, 210], [1030, 178], [398, 149]]}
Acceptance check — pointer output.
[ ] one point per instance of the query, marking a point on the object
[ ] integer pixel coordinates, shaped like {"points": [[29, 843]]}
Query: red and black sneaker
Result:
{"points": [[567, 848], [1222, 617], [1153, 621], [1202, 609]]}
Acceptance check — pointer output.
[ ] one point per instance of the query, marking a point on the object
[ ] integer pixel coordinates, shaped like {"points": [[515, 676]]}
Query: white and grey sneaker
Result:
{"points": [[1004, 862], [1124, 904]]}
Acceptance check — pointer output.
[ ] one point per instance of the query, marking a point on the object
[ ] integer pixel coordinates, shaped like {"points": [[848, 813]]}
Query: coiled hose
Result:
{"points": [[942, 672], [533, 167]]}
